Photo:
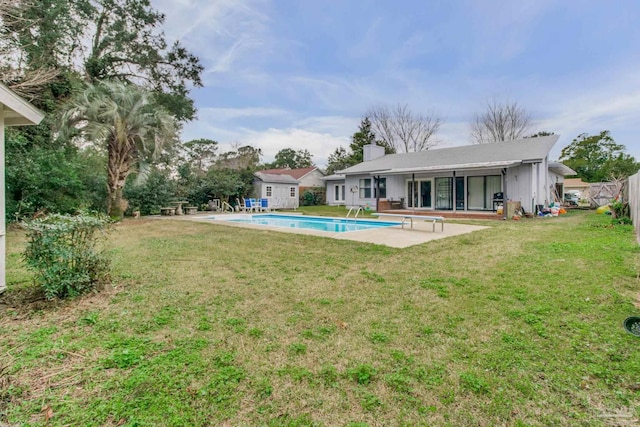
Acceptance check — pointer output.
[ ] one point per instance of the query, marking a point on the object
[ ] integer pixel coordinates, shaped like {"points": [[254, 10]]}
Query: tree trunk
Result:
{"points": [[119, 168]]}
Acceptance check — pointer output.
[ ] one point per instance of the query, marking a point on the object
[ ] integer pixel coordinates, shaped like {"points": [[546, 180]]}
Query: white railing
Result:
{"points": [[358, 209], [227, 207]]}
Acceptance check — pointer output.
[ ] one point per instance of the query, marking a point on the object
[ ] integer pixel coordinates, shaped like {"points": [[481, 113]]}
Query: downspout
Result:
{"points": [[534, 192], [377, 178], [453, 192], [546, 181], [504, 193], [413, 193]]}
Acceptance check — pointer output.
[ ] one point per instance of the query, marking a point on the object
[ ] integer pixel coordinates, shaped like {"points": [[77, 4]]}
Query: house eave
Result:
{"points": [[17, 111], [448, 168]]}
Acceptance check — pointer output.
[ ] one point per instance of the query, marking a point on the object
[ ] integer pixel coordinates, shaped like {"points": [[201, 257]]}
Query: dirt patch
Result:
{"points": [[29, 299]]}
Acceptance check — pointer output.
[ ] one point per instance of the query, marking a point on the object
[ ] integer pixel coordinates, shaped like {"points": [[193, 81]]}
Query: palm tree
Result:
{"points": [[126, 121]]}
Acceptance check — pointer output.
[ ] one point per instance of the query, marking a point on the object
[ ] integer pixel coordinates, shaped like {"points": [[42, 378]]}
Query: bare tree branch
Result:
{"points": [[29, 85], [404, 130], [500, 122]]}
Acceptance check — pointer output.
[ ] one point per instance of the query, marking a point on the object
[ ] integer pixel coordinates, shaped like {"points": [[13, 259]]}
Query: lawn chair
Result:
{"points": [[264, 205], [255, 205], [242, 206], [249, 205]]}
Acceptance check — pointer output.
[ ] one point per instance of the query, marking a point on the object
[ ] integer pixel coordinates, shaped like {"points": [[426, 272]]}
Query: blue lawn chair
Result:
{"points": [[264, 204]]}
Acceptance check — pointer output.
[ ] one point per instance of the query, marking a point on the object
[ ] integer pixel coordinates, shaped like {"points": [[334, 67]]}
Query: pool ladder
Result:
{"points": [[357, 211], [226, 207]]}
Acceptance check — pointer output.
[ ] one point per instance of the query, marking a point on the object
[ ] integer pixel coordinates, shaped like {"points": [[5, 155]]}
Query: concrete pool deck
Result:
{"points": [[395, 236]]}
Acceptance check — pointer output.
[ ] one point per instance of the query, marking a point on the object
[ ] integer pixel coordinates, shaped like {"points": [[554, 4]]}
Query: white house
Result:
{"points": [[282, 191], [466, 178], [306, 177], [14, 111]]}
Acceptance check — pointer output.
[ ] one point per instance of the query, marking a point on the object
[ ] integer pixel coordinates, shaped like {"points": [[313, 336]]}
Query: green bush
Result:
{"points": [[313, 197], [620, 209], [62, 251]]}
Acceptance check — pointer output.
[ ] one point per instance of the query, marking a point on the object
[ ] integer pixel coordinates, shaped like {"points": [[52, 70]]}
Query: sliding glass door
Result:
{"points": [[460, 192], [444, 193], [421, 198], [480, 191]]}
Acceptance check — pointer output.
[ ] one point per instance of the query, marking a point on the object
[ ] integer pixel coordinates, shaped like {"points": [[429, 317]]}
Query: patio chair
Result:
{"points": [[248, 205], [264, 205], [242, 207], [255, 205]]}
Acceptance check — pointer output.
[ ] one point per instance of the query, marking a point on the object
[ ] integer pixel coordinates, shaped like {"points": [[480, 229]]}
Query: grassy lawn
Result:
{"points": [[519, 324]]}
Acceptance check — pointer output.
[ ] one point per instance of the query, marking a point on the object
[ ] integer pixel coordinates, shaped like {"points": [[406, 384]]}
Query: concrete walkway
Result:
{"points": [[398, 238]]}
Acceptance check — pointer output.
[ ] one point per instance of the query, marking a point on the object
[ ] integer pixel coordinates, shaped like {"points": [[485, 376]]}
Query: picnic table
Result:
{"points": [[179, 206]]}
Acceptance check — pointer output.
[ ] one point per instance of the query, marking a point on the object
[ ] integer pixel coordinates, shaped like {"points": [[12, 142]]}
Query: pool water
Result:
{"points": [[335, 225]]}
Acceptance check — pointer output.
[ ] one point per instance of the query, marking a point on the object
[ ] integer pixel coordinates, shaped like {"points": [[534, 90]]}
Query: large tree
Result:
{"points": [[501, 121], [598, 158], [338, 160], [240, 158], [201, 153], [342, 158], [365, 136], [100, 39], [290, 158], [127, 123], [403, 130]]}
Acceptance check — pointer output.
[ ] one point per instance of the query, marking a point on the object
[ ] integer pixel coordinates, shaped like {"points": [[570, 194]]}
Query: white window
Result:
{"points": [[269, 191], [292, 192], [365, 188]]}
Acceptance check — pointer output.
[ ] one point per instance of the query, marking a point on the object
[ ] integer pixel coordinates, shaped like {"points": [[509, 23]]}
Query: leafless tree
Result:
{"points": [[404, 130], [500, 122], [27, 83], [30, 83]]}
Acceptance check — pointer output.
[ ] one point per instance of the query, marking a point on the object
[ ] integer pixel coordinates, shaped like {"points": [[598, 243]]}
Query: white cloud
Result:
{"points": [[219, 114], [321, 145], [334, 125], [222, 33]]}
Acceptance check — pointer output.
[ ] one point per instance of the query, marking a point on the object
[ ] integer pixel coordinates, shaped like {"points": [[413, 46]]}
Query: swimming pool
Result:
{"points": [[335, 225]]}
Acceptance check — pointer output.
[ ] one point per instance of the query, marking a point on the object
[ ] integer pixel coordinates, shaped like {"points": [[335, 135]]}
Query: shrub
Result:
{"points": [[313, 197], [620, 209], [62, 252]]}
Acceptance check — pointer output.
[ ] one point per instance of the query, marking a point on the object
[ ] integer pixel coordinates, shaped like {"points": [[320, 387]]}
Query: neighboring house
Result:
{"points": [[282, 191], [466, 178], [14, 111], [306, 177], [578, 186]]}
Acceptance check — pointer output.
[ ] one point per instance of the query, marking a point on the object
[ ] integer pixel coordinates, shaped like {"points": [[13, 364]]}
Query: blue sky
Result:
{"points": [[301, 74]]}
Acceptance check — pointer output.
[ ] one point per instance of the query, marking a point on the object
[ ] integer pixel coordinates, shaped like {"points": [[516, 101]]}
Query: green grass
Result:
{"points": [[519, 324]]}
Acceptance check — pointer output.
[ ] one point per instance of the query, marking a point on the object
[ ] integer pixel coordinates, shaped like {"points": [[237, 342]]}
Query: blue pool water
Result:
{"points": [[335, 225]]}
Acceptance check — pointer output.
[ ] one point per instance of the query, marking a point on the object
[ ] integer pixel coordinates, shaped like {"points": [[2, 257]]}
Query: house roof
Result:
{"points": [[576, 182], [497, 154], [296, 173], [276, 179], [17, 111], [334, 177], [561, 169]]}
